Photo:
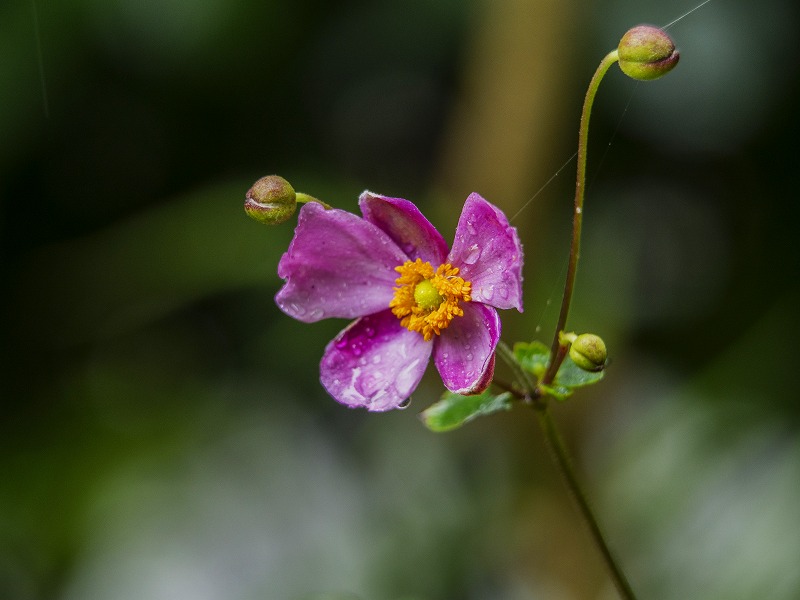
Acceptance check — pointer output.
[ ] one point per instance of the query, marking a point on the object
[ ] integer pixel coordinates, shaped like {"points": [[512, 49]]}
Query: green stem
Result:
{"points": [[561, 457], [577, 218], [559, 348], [558, 451], [302, 198], [524, 378]]}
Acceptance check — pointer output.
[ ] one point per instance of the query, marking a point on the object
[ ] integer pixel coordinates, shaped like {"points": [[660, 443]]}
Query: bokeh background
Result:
{"points": [[163, 432]]}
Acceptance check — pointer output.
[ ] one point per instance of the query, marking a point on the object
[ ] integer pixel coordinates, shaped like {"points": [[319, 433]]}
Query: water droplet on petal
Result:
{"points": [[503, 291], [469, 356], [369, 331], [317, 313], [356, 349], [404, 403], [487, 292], [297, 309], [376, 359], [472, 255], [340, 343], [471, 227]]}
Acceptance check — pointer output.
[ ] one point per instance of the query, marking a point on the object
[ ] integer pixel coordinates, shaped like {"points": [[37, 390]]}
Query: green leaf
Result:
{"points": [[453, 410], [534, 358], [572, 376]]}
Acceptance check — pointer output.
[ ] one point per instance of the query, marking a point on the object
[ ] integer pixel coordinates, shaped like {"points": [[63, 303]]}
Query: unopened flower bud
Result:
{"points": [[588, 351], [271, 200], [646, 52]]}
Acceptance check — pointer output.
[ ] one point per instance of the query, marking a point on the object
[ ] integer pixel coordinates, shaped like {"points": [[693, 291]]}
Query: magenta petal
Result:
{"points": [[337, 265], [405, 224], [464, 353], [488, 253], [375, 363]]}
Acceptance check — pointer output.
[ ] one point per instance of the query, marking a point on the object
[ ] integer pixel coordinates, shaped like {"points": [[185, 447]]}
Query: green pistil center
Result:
{"points": [[427, 296]]}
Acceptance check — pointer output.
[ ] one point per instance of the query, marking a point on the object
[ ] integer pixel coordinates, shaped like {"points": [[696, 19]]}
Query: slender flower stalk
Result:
{"points": [[558, 349], [558, 451], [563, 462], [644, 53], [561, 344]]}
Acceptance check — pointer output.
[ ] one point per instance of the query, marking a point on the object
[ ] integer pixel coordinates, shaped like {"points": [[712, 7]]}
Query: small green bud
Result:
{"points": [[271, 200], [588, 351], [646, 52]]}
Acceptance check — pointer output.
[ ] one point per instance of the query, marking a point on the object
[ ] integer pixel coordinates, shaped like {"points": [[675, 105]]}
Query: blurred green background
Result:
{"points": [[164, 434]]}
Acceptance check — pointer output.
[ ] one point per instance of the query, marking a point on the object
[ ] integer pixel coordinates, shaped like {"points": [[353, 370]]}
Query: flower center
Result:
{"points": [[426, 300], [427, 296]]}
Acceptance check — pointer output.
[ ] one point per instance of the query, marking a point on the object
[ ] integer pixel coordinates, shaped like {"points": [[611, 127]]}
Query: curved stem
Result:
{"points": [[561, 457], [302, 198], [577, 217], [560, 346]]}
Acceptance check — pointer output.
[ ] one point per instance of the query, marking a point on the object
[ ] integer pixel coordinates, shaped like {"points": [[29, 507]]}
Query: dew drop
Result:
{"points": [[340, 343], [297, 309], [376, 359], [487, 293], [469, 356], [471, 228], [369, 332], [473, 254], [503, 291]]}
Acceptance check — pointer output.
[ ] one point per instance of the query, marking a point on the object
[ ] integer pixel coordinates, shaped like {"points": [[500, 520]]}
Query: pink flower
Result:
{"points": [[411, 298]]}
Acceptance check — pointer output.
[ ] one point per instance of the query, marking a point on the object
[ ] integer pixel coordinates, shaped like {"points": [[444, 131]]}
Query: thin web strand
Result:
{"points": [[613, 135], [686, 14], [546, 183]]}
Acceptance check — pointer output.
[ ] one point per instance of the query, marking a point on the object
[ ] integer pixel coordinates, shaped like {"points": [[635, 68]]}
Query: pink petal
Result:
{"points": [[488, 253], [375, 363], [405, 224], [464, 353], [337, 265]]}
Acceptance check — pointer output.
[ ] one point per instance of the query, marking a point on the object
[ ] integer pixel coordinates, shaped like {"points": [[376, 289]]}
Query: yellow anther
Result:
{"points": [[427, 300]]}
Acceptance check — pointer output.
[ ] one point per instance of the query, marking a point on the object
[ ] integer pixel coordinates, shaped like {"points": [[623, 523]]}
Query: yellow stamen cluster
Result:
{"points": [[415, 300]]}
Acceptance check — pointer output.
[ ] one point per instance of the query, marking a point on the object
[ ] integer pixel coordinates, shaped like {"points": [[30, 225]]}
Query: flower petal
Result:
{"points": [[337, 265], [488, 253], [405, 224], [375, 363], [464, 352]]}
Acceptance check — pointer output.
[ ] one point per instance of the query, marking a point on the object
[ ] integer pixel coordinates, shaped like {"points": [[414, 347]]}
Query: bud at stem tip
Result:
{"points": [[646, 53], [271, 200]]}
